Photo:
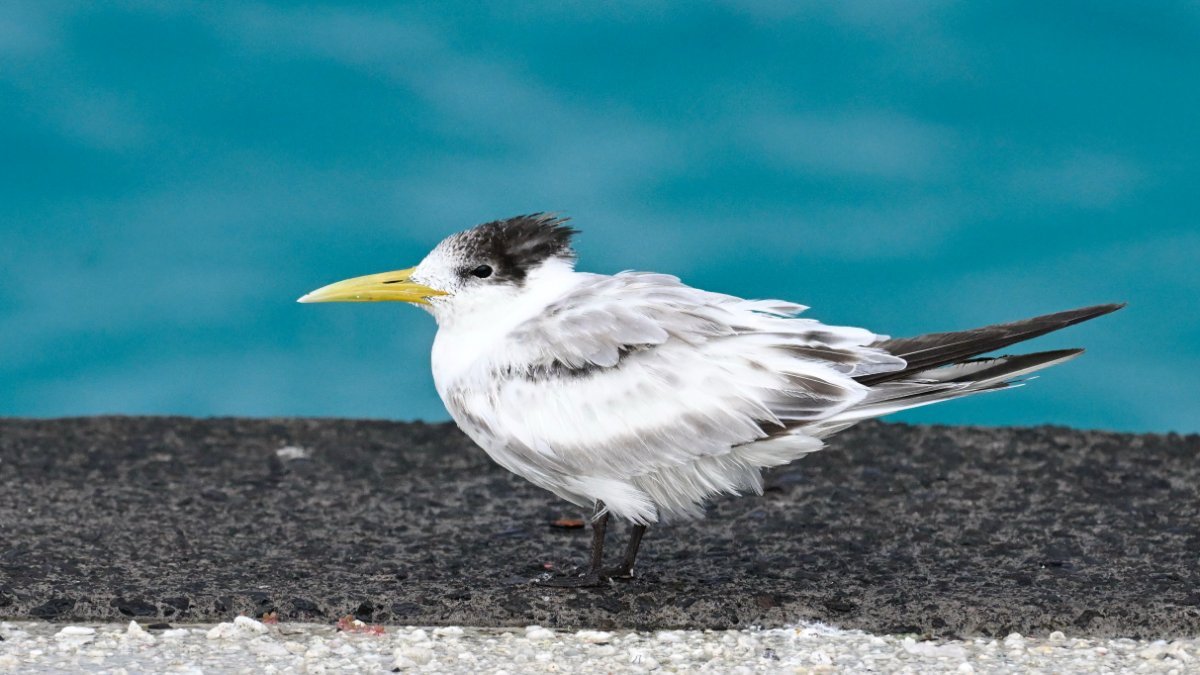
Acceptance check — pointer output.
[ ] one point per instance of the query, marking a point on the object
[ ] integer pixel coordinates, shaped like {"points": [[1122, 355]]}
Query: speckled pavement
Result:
{"points": [[937, 531]]}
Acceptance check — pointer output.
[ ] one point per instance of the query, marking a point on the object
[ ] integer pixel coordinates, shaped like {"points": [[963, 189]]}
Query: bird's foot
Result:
{"points": [[588, 580], [618, 572]]}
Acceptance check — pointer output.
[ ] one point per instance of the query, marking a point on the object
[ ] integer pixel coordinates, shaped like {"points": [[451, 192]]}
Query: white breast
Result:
{"points": [[472, 346], [472, 333]]}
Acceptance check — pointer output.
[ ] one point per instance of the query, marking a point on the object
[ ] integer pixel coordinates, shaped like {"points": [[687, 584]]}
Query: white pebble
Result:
{"points": [[417, 635], [418, 655], [1057, 636], [933, 649], [596, 637], [317, 650], [247, 624], [538, 633], [289, 452], [448, 632], [1156, 650], [269, 648], [74, 637], [136, 633]]}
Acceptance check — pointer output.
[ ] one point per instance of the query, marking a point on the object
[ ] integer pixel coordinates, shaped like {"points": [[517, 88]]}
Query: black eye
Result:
{"points": [[483, 271]]}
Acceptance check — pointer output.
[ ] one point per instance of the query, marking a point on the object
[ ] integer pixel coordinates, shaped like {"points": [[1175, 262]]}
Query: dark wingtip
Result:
{"points": [[1059, 353], [1101, 310], [924, 352], [1074, 316]]}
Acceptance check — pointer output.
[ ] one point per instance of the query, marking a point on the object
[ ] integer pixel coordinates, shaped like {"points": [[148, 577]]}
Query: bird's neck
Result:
{"points": [[471, 336]]}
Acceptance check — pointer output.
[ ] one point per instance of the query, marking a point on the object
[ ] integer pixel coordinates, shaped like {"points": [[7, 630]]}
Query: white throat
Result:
{"points": [[473, 327]]}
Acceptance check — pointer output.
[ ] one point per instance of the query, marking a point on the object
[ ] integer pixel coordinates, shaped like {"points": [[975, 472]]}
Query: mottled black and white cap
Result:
{"points": [[506, 251], [498, 255]]}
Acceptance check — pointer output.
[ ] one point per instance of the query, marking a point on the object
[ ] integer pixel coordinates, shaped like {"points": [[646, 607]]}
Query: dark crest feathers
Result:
{"points": [[516, 245]]}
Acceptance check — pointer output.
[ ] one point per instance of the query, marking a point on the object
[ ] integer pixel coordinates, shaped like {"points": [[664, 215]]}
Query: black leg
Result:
{"points": [[625, 569], [592, 577]]}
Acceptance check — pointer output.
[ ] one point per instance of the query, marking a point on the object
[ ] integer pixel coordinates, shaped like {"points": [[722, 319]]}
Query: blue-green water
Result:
{"points": [[176, 174]]}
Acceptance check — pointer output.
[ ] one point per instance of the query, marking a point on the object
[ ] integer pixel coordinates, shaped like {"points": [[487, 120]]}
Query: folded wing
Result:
{"points": [[638, 378]]}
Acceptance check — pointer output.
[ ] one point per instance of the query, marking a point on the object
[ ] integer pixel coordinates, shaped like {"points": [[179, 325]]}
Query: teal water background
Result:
{"points": [[174, 175]]}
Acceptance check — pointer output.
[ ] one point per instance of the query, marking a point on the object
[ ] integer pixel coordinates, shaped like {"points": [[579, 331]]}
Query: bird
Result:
{"points": [[639, 397]]}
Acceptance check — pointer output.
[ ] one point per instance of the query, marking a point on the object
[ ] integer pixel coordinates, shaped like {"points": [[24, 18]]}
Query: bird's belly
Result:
{"points": [[473, 414]]}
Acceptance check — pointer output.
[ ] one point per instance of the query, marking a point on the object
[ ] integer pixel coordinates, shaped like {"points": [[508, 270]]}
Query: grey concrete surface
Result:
{"points": [[895, 529]]}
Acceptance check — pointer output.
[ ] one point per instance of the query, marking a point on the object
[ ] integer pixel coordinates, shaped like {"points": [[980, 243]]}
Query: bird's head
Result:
{"points": [[483, 266]]}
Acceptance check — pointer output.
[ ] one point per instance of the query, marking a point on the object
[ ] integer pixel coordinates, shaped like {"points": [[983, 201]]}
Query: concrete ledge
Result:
{"points": [[933, 530]]}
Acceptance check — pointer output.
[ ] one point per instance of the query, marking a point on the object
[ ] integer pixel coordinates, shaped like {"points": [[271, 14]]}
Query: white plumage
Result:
{"points": [[642, 392]]}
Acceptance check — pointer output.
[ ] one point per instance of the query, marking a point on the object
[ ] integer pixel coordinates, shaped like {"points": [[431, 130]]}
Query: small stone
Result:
{"points": [[251, 625], [965, 668], [448, 632], [932, 649], [136, 633], [75, 636], [417, 635], [1156, 650], [418, 655], [538, 633], [595, 637], [269, 648], [289, 452], [1058, 636]]}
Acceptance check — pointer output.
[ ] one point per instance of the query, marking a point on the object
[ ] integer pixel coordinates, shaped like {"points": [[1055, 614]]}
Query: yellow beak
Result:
{"points": [[393, 286]]}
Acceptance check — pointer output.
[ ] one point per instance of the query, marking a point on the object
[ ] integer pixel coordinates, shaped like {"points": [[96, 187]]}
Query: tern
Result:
{"points": [[639, 397]]}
